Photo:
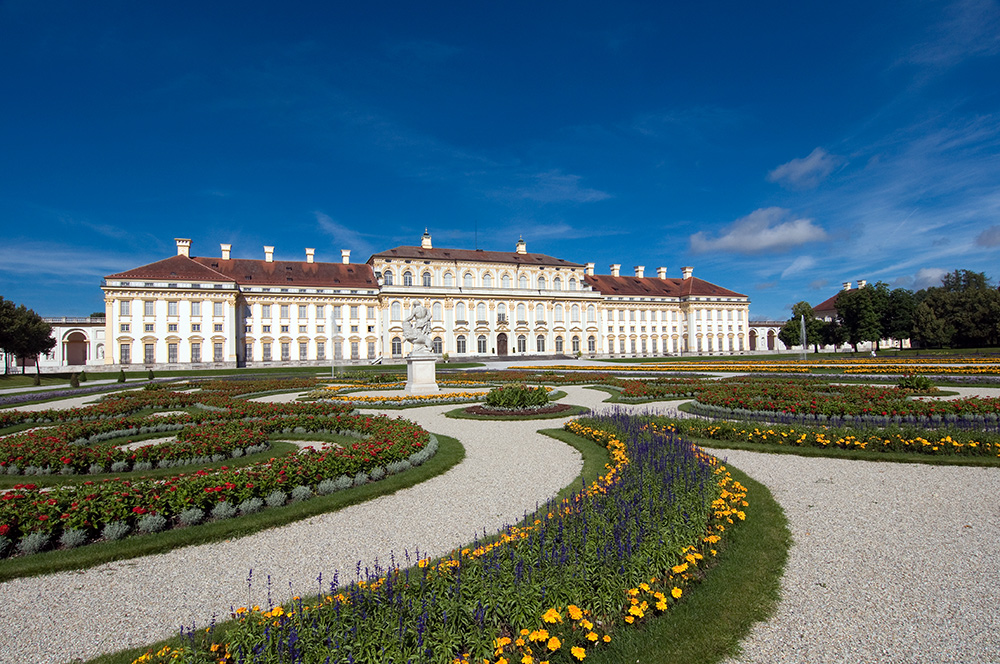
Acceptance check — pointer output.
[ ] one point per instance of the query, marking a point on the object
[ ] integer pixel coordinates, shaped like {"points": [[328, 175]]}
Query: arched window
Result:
{"points": [[576, 344], [470, 280], [437, 345], [591, 344], [426, 279], [387, 276], [481, 344], [541, 283], [572, 283], [591, 313], [559, 344], [522, 282], [522, 314], [557, 284], [522, 343], [481, 311], [487, 280], [505, 281], [407, 278], [436, 311], [460, 344], [460, 312], [448, 280], [558, 315], [396, 311], [540, 313], [501, 312], [574, 312], [397, 346], [540, 343]]}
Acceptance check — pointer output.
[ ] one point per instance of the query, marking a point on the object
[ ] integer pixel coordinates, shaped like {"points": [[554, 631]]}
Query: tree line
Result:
{"points": [[963, 312], [23, 334]]}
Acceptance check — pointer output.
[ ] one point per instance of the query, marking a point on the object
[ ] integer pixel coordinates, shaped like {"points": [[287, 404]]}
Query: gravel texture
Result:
{"points": [[891, 562]]}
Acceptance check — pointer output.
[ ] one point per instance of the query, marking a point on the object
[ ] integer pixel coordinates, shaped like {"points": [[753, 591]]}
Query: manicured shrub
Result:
{"points": [[250, 506], [33, 543], [276, 498], [115, 530], [223, 510], [191, 517], [121, 376], [151, 523], [72, 538], [74, 381], [516, 397], [301, 493]]}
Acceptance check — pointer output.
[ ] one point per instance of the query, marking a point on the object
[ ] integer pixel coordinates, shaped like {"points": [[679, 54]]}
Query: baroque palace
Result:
{"points": [[250, 312]]}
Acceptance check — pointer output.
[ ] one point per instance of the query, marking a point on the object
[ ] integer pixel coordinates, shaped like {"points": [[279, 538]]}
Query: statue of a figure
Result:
{"points": [[417, 329]]}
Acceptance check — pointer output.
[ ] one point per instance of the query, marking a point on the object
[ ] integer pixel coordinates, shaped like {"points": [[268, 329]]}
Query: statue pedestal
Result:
{"points": [[421, 374]]}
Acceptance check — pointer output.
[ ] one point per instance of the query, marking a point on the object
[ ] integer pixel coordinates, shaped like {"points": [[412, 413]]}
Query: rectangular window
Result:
{"points": [[266, 328], [286, 351], [196, 308], [303, 311], [172, 308], [371, 349], [302, 329], [320, 329], [248, 351], [171, 327], [125, 351], [217, 351], [284, 328], [196, 352], [371, 311], [354, 350], [149, 308], [303, 350], [124, 308], [319, 311], [320, 350], [217, 327], [284, 311], [172, 353], [371, 328], [149, 355], [217, 309], [354, 329], [338, 350], [265, 311], [196, 327], [336, 311], [265, 349], [124, 327], [148, 327], [354, 312]]}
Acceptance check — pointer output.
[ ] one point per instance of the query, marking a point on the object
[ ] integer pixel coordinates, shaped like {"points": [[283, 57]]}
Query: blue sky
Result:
{"points": [[778, 148]]}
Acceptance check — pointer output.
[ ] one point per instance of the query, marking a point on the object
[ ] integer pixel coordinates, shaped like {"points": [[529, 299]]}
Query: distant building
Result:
{"points": [[80, 343], [192, 310], [827, 311]]}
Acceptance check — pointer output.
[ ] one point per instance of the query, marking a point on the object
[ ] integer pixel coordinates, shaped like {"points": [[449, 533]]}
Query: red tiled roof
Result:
{"points": [[829, 304], [476, 255], [248, 272], [656, 287], [173, 268]]}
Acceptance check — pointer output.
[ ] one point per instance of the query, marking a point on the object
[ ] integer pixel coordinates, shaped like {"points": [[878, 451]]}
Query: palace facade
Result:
{"points": [[194, 310]]}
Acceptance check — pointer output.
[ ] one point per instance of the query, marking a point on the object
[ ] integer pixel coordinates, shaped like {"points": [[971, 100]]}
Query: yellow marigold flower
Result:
{"points": [[586, 624], [629, 619], [679, 569], [519, 642], [527, 659], [578, 652], [553, 644], [575, 612], [676, 592], [606, 638], [592, 636], [552, 616]]}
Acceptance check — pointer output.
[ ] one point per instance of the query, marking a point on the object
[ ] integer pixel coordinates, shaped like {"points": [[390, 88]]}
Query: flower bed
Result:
{"points": [[553, 588], [35, 517]]}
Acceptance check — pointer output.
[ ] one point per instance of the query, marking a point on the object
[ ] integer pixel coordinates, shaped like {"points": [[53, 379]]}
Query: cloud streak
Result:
{"points": [[805, 173], [767, 229]]}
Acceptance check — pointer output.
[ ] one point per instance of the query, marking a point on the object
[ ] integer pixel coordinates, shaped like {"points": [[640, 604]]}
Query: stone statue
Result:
{"points": [[417, 330]]}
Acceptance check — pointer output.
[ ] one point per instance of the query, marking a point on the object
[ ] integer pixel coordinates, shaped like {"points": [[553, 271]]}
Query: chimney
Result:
{"points": [[615, 269], [226, 250], [686, 272], [589, 270], [310, 255], [425, 241], [661, 273], [268, 254], [640, 270], [183, 246], [521, 248], [862, 283], [345, 256], [847, 285]]}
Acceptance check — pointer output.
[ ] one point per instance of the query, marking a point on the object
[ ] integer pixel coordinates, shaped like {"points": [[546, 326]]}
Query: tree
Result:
{"points": [[23, 334], [965, 308], [857, 312], [833, 334], [8, 310], [791, 332], [928, 329], [897, 323]]}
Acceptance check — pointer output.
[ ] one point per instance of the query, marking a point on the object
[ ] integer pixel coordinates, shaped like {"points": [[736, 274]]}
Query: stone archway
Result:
{"points": [[771, 336], [502, 344], [76, 349], [753, 339]]}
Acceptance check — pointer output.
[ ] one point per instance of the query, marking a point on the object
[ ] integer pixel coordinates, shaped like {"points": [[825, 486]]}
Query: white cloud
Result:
{"points": [[35, 258], [799, 265], [766, 229], [805, 173], [990, 237], [970, 28], [345, 238], [557, 187], [928, 277]]}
